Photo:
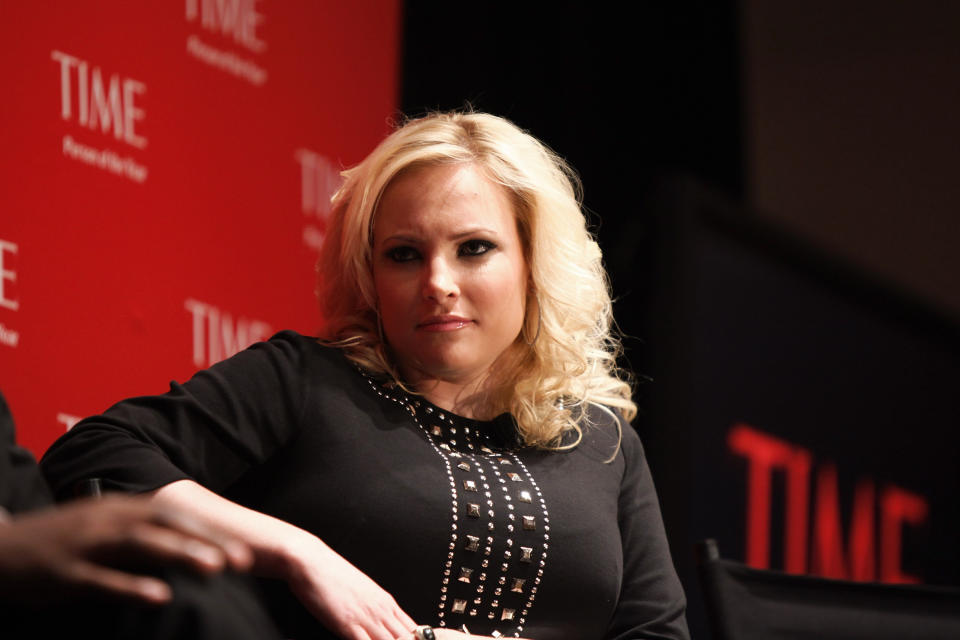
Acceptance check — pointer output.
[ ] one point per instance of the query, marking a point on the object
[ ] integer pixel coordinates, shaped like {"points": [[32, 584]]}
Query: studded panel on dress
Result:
{"points": [[499, 526]]}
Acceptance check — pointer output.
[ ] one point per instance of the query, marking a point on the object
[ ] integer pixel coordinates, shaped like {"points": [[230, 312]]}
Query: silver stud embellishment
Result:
{"points": [[490, 469]]}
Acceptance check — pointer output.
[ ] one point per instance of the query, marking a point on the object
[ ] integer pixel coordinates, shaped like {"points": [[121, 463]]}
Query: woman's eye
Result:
{"points": [[475, 247], [402, 254]]}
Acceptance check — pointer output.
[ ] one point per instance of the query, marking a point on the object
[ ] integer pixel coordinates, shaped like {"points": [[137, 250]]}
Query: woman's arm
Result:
{"points": [[343, 598], [210, 432], [652, 603], [213, 428]]}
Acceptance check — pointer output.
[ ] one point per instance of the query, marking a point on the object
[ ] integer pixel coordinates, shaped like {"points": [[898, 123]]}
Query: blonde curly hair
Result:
{"points": [[571, 362]]}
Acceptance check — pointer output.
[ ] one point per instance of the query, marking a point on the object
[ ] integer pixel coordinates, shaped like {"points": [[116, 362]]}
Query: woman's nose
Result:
{"points": [[440, 282]]}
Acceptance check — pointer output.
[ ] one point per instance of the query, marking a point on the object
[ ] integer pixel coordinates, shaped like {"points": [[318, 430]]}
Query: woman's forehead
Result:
{"points": [[451, 195]]}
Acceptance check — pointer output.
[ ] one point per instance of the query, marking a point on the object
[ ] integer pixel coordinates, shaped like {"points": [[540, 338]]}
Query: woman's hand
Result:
{"points": [[88, 548], [344, 598]]}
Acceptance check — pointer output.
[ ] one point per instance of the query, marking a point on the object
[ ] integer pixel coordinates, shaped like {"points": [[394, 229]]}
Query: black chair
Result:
{"points": [[753, 604]]}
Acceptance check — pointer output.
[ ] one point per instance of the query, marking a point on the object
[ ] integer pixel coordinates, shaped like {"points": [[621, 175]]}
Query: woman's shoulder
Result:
{"points": [[286, 355], [297, 346], [606, 435]]}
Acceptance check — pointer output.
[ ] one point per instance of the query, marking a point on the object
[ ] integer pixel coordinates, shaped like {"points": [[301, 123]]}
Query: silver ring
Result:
{"points": [[424, 632]]}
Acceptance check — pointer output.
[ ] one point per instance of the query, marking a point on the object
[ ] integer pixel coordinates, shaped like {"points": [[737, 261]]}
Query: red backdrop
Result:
{"points": [[167, 168]]}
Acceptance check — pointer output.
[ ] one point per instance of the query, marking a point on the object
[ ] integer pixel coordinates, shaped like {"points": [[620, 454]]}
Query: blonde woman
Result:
{"points": [[452, 458]]}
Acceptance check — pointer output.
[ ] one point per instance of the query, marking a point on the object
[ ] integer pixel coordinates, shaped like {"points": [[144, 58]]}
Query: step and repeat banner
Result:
{"points": [[167, 168]]}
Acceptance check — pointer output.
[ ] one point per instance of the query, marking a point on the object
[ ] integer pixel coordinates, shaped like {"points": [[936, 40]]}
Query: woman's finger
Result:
{"points": [[401, 624], [393, 620], [379, 630], [356, 632]]}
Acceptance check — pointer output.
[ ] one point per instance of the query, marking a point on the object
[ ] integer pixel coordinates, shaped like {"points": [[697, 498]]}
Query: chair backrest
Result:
{"points": [[753, 604]]}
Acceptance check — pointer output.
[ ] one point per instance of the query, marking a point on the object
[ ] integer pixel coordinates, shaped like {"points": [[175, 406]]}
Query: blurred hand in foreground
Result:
{"points": [[96, 548]]}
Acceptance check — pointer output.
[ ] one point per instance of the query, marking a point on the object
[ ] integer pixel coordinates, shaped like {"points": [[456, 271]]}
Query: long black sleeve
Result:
{"points": [[212, 429], [652, 603]]}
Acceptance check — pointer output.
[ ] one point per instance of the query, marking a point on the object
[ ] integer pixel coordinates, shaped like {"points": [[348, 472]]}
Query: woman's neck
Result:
{"points": [[468, 396], [463, 398]]}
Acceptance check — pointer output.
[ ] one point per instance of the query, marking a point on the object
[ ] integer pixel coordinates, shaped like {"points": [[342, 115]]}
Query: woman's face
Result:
{"points": [[449, 272]]}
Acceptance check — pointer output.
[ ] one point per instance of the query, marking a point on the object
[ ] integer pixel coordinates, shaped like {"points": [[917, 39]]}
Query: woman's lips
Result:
{"points": [[443, 323]]}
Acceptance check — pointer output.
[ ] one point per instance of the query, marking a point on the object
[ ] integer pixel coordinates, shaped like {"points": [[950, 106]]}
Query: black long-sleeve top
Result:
{"points": [[447, 514]]}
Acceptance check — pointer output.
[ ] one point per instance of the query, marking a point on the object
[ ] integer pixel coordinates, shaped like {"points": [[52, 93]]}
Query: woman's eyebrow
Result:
{"points": [[402, 237], [473, 231], [409, 236]]}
